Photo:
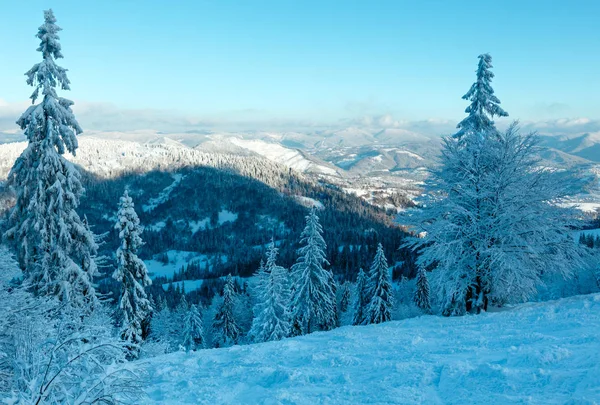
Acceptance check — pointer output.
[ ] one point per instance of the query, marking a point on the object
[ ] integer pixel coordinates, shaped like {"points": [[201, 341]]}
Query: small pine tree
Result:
{"points": [[226, 330], [345, 300], [361, 300], [182, 308], [164, 326], [193, 330], [484, 104], [273, 321], [421, 297], [131, 273], [258, 290], [380, 290], [313, 303]]}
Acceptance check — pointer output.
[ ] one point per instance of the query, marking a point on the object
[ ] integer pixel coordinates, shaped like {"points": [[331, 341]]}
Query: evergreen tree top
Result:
{"points": [[228, 288], [272, 253], [312, 239], [46, 76], [361, 278], [128, 224], [484, 104], [48, 34], [380, 261]]}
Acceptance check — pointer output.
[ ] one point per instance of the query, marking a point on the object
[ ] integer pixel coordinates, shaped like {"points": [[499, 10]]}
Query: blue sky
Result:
{"points": [[313, 61]]}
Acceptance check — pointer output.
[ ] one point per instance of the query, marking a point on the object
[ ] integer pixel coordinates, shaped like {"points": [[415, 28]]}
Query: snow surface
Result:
{"points": [[223, 217], [192, 285], [177, 260], [537, 353], [289, 157], [227, 216], [310, 202]]}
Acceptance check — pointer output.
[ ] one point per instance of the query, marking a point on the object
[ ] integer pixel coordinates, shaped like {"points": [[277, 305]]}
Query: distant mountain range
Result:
{"points": [[376, 164]]}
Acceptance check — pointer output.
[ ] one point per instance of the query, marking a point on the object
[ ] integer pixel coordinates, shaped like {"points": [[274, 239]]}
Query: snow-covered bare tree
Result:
{"points": [[493, 222], [273, 319], [132, 273], [380, 290], [361, 298], [313, 301], [193, 330], [55, 249], [49, 354], [484, 104], [422, 295], [226, 331]]}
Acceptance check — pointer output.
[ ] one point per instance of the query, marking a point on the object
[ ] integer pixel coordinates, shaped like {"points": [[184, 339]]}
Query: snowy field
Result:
{"points": [[537, 353], [178, 259]]}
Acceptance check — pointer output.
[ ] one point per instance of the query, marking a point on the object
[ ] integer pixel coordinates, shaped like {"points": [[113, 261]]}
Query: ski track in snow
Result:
{"points": [[537, 353]]}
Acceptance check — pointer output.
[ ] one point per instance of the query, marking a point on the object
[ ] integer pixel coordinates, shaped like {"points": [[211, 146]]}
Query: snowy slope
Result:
{"points": [[538, 353], [109, 158], [293, 158]]}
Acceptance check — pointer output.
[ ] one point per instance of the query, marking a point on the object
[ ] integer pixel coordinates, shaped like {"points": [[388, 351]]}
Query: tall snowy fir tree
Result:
{"points": [[361, 298], [55, 249], [193, 330], [272, 321], [313, 305], [422, 296], [225, 327], [380, 290], [492, 217], [131, 272], [484, 104]]}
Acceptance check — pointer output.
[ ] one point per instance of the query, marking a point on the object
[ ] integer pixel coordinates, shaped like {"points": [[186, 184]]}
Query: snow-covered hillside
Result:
{"points": [[375, 172], [110, 158], [290, 157], [537, 353]]}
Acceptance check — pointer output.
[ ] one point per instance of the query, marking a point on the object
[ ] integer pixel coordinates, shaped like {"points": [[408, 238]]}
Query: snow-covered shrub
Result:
{"points": [[55, 353]]}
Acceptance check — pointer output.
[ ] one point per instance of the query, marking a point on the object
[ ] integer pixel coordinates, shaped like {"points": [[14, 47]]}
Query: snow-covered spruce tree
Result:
{"points": [[484, 104], [493, 222], [380, 290], [55, 249], [182, 308], [421, 297], [345, 300], [273, 320], [226, 331], [163, 326], [132, 273], [361, 298], [313, 302], [193, 329], [334, 290], [258, 292]]}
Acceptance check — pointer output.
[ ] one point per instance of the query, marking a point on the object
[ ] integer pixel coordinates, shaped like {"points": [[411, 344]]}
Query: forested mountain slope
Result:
{"points": [[222, 208]]}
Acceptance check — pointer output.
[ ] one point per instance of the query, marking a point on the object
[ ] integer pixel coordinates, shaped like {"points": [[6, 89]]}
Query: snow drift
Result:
{"points": [[537, 353]]}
